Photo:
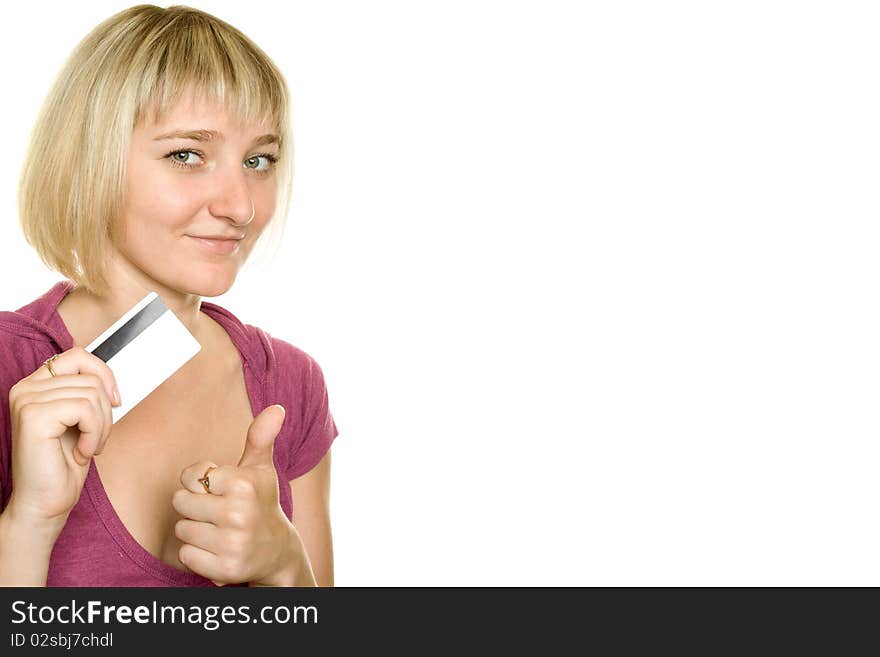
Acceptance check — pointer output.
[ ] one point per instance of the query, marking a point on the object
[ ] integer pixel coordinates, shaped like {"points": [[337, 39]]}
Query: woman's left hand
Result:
{"points": [[238, 532]]}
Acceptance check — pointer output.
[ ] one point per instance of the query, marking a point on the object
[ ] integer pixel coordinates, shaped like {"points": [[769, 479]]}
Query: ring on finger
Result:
{"points": [[48, 363], [205, 481]]}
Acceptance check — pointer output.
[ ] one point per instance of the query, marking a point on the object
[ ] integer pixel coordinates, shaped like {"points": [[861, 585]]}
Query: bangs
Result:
{"points": [[189, 58]]}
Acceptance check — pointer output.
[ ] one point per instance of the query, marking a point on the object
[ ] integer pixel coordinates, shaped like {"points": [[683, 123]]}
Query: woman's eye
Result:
{"points": [[271, 159], [182, 162]]}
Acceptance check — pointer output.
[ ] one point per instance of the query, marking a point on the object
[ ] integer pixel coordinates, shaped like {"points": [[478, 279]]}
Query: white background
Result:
{"points": [[593, 285]]}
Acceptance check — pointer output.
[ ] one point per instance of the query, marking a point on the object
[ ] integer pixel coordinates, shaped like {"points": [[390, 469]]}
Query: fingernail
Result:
{"points": [[116, 397]]}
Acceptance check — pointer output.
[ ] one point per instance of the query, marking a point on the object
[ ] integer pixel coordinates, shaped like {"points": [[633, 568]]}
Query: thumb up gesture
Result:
{"points": [[232, 527]]}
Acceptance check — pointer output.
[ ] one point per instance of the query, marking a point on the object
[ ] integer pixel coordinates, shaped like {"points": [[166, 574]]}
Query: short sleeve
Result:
{"points": [[301, 388]]}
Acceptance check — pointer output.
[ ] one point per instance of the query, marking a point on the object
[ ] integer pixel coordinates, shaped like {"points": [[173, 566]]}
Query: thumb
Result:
{"points": [[261, 437]]}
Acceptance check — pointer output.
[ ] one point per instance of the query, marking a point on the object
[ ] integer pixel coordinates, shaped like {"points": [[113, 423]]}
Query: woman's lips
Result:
{"points": [[221, 247]]}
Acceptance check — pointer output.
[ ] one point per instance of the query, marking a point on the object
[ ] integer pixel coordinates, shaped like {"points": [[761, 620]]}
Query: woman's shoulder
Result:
{"points": [[266, 351], [295, 370], [295, 373], [288, 355]]}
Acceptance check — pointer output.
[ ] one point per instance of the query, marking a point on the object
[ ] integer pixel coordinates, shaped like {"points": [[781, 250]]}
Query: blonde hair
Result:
{"points": [[72, 185]]}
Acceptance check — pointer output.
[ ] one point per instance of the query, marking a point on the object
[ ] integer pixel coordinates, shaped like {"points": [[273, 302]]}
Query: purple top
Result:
{"points": [[95, 548]]}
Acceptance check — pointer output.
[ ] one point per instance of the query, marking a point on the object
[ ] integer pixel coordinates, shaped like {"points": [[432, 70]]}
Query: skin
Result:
{"points": [[238, 532]]}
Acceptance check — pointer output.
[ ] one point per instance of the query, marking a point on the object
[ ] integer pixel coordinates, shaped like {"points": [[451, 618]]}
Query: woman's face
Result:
{"points": [[184, 188]]}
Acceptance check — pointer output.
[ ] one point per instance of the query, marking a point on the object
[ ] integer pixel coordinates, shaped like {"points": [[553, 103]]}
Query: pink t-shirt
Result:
{"points": [[95, 548]]}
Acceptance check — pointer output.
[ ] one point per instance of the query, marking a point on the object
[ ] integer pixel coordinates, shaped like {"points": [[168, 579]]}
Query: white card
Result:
{"points": [[143, 348]]}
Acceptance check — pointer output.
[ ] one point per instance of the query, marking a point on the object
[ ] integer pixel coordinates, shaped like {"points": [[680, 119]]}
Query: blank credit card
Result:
{"points": [[143, 348]]}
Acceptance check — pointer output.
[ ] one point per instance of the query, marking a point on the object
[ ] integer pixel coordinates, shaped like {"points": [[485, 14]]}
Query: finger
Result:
{"points": [[54, 417], [108, 419], [78, 361], [200, 534], [195, 506], [202, 562], [219, 478], [58, 393], [78, 388], [189, 477], [88, 442]]}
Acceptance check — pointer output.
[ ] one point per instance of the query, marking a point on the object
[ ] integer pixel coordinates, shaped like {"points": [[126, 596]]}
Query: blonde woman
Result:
{"points": [[156, 163]]}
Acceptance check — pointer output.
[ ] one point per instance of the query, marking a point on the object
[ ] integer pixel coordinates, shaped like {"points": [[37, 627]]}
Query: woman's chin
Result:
{"points": [[215, 290], [208, 286]]}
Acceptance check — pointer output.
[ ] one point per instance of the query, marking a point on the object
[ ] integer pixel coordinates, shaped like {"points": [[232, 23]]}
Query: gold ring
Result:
{"points": [[48, 363], [205, 481]]}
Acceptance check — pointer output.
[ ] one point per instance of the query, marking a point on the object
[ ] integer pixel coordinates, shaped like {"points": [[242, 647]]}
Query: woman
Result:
{"points": [[155, 165]]}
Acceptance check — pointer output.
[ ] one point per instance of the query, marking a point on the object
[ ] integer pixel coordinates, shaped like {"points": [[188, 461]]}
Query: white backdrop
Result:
{"points": [[592, 284]]}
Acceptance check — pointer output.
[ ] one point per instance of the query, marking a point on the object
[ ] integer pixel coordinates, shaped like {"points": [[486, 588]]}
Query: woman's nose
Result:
{"points": [[235, 204]]}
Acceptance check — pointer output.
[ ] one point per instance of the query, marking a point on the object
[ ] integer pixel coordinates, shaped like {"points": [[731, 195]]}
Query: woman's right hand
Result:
{"points": [[58, 423]]}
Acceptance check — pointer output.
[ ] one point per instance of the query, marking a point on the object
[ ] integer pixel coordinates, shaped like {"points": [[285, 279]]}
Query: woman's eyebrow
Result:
{"points": [[211, 135]]}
